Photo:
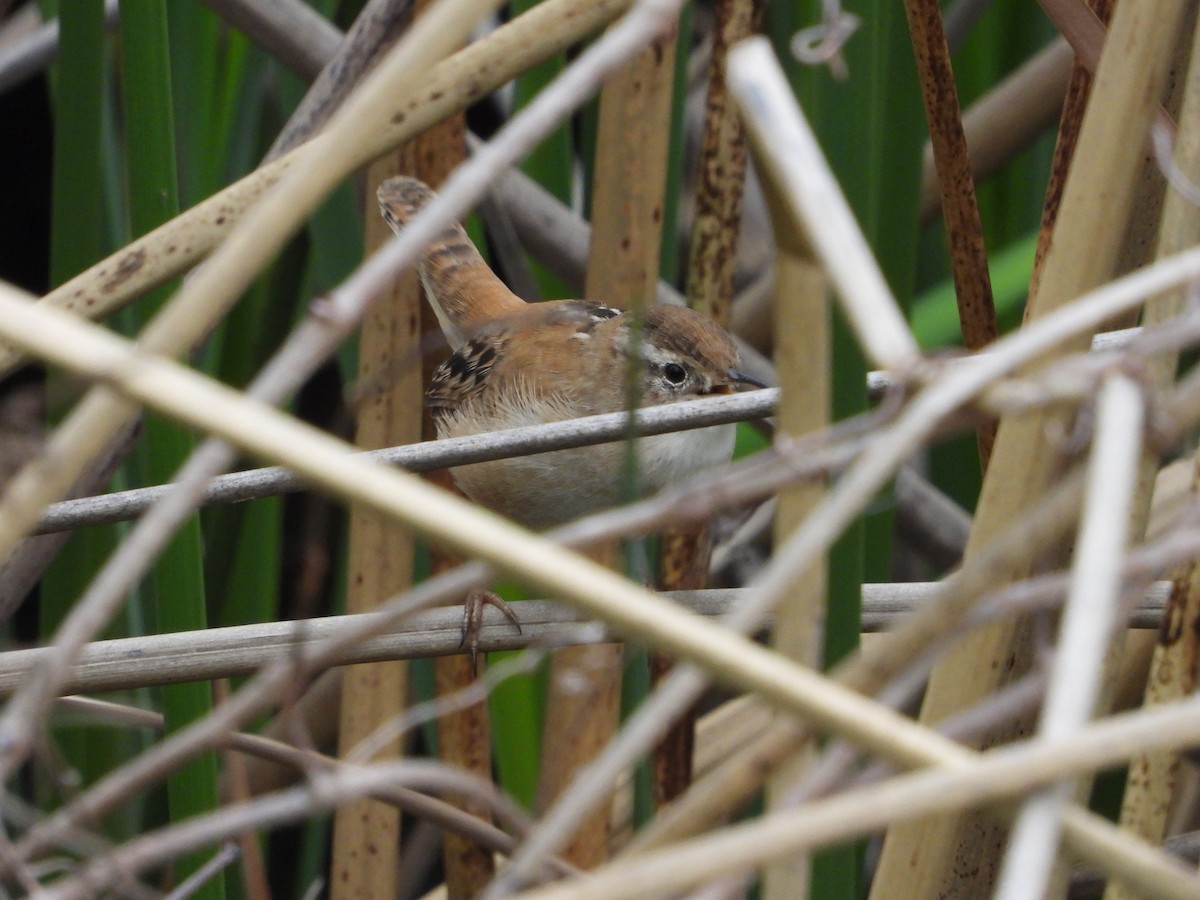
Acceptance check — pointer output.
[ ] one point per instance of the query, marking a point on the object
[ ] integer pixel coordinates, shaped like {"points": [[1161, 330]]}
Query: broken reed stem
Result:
{"points": [[784, 142], [365, 854]]}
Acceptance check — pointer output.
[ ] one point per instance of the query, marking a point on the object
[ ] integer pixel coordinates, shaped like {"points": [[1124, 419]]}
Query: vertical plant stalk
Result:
{"points": [[1153, 778], [960, 205], [958, 856], [366, 834], [1079, 88], [712, 258], [177, 580], [803, 360], [464, 738], [583, 705], [77, 236], [712, 254], [76, 215], [627, 211]]}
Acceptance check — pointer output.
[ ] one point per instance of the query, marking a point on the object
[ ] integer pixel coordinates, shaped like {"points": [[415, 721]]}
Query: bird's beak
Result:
{"points": [[735, 378]]}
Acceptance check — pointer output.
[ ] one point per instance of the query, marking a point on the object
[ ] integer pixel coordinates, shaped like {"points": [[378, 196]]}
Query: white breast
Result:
{"points": [[548, 489]]}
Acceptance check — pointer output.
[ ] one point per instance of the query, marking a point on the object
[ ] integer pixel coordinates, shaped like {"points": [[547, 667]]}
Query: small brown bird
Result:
{"points": [[516, 363]]}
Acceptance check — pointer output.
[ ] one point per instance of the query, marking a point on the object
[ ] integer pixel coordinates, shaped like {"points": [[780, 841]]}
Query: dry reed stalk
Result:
{"points": [[959, 856], [997, 774], [1153, 778], [235, 651], [1006, 119], [712, 251], [464, 735], [627, 212], [960, 206], [1077, 674], [366, 834], [1079, 87], [802, 359], [686, 550]]}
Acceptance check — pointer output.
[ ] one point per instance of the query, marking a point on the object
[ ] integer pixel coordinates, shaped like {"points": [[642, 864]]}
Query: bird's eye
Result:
{"points": [[674, 373]]}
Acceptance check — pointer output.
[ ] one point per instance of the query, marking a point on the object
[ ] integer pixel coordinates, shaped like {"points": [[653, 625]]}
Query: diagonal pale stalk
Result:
{"points": [[627, 215], [1153, 778], [996, 776], [325, 461], [920, 860], [992, 776], [152, 259], [816, 200], [1089, 617]]}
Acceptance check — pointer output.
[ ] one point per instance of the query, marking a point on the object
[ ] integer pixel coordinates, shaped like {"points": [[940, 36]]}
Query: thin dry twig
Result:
{"points": [[237, 650], [255, 484], [323, 792]]}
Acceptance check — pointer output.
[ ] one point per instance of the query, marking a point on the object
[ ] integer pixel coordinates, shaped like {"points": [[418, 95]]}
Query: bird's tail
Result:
{"points": [[462, 289]]}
